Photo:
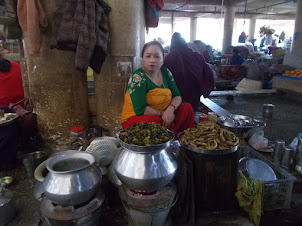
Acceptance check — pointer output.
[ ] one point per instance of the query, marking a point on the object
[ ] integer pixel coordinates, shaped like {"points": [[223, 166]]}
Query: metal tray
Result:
{"points": [[13, 116], [146, 149], [205, 151], [242, 131]]}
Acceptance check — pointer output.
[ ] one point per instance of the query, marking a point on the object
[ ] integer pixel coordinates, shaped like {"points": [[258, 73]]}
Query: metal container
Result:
{"points": [[145, 168], [241, 125], [215, 177], [7, 207], [298, 156], [73, 178], [267, 111], [278, 151], [288, 158]]}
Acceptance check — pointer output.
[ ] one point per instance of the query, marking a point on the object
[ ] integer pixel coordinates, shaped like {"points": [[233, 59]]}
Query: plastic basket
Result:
{"points": [[277, 193]]}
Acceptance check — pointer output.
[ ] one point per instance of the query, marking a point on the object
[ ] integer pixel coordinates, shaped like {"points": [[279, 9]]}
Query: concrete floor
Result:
{"points": [[286, 124]]}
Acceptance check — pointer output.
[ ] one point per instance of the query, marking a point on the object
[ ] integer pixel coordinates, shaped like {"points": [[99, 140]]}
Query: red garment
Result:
{"points": [[184, 119], [11, 88]]}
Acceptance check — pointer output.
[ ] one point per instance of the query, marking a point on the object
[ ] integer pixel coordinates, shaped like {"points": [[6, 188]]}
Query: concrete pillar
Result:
{"points": [[252, 27], [58, 90], [297, 40], [127, 36], [229, 16], [193, 28]]}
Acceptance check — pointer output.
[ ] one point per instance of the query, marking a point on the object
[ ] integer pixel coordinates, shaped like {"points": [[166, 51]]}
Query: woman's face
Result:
{"points": [[152, 59]]}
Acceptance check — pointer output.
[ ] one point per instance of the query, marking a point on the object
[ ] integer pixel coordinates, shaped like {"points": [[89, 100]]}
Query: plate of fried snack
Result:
{"points": [[209, 138]]}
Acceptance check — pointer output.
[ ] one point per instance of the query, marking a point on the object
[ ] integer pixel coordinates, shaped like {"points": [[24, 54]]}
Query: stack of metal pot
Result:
{"points": [[145, 168]]}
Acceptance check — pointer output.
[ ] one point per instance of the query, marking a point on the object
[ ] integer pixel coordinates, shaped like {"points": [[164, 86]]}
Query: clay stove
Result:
{"points": [[148, 208], [87, 213]]}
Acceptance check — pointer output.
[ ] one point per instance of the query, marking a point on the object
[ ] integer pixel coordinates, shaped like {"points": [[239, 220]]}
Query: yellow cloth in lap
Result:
{"points": [[249, 195], [157, 98]]}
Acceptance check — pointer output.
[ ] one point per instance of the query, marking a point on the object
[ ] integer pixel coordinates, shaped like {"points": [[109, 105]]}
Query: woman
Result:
{"points": [[242, 37], [193, 76], [11, 88], [153, 96], [236, 59]]}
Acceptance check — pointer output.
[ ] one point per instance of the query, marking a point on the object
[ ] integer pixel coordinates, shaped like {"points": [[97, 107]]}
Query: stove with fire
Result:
{"points": [[146, 172]]}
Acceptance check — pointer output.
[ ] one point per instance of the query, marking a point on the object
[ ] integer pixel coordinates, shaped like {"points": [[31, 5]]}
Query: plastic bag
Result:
{"points": [[258, 141]]}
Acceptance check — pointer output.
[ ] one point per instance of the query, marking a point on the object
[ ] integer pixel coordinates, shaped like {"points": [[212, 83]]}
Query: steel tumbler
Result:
{"points": [[278, 151]]}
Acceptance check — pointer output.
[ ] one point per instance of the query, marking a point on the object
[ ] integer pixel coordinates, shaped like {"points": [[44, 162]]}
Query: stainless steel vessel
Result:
{"points": [[73, 178], [145, 168]]}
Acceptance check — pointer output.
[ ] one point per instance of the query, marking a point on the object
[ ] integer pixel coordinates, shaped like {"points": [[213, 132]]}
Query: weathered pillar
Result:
{"points": [[193, 28], [252, 28], [58, 90], [297, 41], [229, 16], [127, 35]]}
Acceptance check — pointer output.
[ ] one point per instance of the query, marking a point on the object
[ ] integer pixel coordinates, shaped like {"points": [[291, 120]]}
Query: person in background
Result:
{"points": [[236, 59], [11, 88], [192, 74], [152, 95], [242, 37]]}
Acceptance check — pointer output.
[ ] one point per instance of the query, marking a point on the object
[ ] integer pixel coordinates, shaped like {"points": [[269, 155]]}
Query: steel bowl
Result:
{"points": [[244, 130], [146, 149], [6, 181], [205, 151]]}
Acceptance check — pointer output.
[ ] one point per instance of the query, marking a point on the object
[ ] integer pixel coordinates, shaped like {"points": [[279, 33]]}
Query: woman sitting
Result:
{"points": [[11, 88], [153, 96]]}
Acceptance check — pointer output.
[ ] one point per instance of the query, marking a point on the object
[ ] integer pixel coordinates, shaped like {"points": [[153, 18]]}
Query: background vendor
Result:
{"points": [[153, 96]]}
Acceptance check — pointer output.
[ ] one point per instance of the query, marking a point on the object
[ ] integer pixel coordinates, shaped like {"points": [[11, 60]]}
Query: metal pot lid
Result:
{"points": [[146, 149], [205, 151]]}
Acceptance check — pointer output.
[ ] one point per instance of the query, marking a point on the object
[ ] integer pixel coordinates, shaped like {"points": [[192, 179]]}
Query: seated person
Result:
{"points": [[11, 88], [153, 96], [193, 76], [236, 59]]}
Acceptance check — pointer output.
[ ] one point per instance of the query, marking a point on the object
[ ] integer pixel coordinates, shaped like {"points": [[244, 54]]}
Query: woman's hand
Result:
{"points": [[168, 116]]}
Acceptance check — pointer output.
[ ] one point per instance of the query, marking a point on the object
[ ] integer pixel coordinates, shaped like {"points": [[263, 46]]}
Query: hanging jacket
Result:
{"points": [[81, 26]]}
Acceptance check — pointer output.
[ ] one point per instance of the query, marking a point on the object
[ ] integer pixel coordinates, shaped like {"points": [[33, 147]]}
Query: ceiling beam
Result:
{"points": [[168, 13]]}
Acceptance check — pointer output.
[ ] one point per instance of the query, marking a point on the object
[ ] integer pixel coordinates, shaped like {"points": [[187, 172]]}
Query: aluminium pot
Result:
{"points": [[7, 207], [73, 178], [145, 168]]}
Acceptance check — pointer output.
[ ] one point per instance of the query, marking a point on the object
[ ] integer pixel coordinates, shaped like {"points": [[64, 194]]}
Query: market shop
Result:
{"points": [[125, 113]]}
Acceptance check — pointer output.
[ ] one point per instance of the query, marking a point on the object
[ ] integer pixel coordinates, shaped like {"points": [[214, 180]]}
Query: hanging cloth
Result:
{"points": [[152, 12], [81, 26], [32, 20]]}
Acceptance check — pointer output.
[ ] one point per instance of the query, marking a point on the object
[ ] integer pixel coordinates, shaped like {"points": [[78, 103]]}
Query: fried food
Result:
{"points": [[209, 136], [145, 134]]}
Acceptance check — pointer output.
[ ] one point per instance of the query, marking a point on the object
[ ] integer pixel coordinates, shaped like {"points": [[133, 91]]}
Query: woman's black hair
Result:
{"points": [[4, 65], [235, 50], [178, 42], [151, 44]]}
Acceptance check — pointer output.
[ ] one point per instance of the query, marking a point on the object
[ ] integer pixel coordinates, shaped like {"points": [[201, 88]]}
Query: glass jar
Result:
{"points": [[78, 131], [212, 116], [203, 118]]}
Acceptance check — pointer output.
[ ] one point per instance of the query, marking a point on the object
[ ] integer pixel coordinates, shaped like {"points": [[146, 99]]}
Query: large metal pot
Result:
{"points": [[145, 168], [73, 178], [7, 207]]}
